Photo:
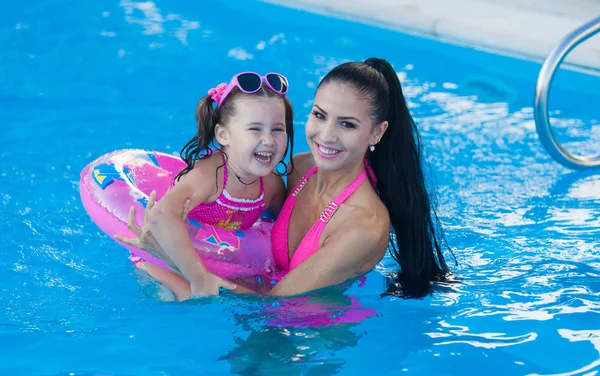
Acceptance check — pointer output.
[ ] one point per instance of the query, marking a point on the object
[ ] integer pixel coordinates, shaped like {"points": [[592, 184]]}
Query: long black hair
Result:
{"points": [[417, 240], [208, 116]]}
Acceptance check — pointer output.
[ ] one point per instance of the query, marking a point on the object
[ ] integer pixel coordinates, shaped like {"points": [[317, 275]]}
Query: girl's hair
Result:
{"points": [[417, 240], [207, 117]]}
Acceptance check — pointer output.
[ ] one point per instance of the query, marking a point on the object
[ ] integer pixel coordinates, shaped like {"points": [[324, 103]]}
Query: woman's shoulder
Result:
{"points": [[304, 159], [367, 213], [273, 183], [364, 226], [302, 163]]}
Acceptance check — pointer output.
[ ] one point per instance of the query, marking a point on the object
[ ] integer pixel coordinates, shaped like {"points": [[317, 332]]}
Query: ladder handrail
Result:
{"points": [[542, 91]]}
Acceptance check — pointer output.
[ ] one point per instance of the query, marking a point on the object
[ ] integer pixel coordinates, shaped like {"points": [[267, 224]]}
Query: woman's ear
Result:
{"points": [[379, 131], [222, 134]]}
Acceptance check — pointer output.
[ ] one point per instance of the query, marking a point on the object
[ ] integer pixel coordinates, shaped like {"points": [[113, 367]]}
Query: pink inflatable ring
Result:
{"points": [[111, 184]]}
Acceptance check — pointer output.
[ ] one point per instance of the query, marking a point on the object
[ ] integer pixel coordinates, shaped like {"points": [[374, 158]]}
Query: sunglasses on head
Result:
{"points": [[250, 82]]}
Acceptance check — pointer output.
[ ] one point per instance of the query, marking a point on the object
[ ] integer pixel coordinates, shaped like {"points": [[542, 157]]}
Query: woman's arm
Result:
{"points": [[346, 254]]}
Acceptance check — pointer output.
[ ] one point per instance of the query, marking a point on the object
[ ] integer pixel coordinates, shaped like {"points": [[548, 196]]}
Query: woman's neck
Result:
{"points": [[332, 182]]}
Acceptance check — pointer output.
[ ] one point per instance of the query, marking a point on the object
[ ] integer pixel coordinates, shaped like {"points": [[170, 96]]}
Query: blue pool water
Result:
{"points": [[80, 79]]}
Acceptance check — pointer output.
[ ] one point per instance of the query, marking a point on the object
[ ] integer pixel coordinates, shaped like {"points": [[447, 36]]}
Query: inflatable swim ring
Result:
{"points": [[113, 183]]}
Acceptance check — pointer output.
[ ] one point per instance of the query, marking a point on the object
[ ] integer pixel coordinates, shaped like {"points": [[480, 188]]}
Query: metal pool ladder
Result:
{"points": [[542, 90]]}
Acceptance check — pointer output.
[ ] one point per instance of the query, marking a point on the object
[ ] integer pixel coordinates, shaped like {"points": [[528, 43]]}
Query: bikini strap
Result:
{"points": [[343, 196], [349, 190], [225, 174], [262, 186], [371, 174], [303, 181], [310, 243]]}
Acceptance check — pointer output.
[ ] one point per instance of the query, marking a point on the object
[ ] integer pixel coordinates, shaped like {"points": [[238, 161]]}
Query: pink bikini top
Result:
{"points": [[230, 212], [310, 242]]}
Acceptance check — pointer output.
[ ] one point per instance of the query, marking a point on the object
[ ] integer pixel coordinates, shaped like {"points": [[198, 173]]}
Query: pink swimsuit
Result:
{"points": [[230, 212], [310, 242]]}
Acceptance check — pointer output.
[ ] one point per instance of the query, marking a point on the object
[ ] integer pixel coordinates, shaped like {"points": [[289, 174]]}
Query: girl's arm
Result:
{"points": [[166, 223], [174, 282]]}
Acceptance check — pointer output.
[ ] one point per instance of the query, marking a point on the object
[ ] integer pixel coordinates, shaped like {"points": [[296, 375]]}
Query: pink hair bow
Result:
{"points": [[217, 92]]}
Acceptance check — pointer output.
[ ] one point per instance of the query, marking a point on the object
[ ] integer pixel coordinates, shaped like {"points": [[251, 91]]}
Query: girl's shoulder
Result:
{"points": [[206, 174], [207, 166], [210, 162]]}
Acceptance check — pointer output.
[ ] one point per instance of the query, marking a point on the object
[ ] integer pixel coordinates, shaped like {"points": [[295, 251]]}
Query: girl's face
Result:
{"points": [[255, 136]]}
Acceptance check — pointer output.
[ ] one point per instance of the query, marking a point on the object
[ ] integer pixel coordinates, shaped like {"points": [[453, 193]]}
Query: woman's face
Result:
{"points": [[340, 129]]}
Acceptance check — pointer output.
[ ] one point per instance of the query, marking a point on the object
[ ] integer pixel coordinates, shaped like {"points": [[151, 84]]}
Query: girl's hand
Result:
{"points": [[143, 237]]}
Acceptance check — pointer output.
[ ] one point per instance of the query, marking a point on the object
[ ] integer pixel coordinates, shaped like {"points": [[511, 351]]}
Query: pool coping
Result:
{"points": [[479, 24]]}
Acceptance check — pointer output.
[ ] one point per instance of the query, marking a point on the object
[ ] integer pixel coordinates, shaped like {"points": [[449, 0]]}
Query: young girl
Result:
{"points": [[252, 121]]}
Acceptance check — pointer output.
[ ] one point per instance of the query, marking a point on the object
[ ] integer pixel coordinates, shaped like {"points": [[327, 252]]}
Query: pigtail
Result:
{"points": [[289, 129], [200, 146]]}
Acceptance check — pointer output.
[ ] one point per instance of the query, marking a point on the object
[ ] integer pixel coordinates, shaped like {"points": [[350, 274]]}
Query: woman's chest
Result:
{"points": [[306, 217]]}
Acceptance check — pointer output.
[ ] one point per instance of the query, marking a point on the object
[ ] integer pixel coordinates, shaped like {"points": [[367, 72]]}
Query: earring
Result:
{"points": [[372, 147]]}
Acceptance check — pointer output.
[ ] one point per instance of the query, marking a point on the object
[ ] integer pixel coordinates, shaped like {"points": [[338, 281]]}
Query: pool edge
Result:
{"points": [[531, 34]]}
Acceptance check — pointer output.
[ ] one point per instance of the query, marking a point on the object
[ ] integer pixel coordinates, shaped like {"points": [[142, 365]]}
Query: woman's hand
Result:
{"points": [[209, 284], [143, 237]]}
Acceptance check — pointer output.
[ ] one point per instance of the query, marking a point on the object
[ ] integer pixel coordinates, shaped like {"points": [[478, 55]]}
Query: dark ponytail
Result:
{"points": [[207, 117], [417, 241], [201, 145]]}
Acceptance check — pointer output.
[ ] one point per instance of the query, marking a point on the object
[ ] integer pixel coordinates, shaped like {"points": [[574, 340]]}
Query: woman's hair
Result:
{"points": [[208, 116], [417, 240]]}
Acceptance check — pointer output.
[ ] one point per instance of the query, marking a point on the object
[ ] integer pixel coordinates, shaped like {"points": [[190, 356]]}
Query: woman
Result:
{"points": [[363, 176]]}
